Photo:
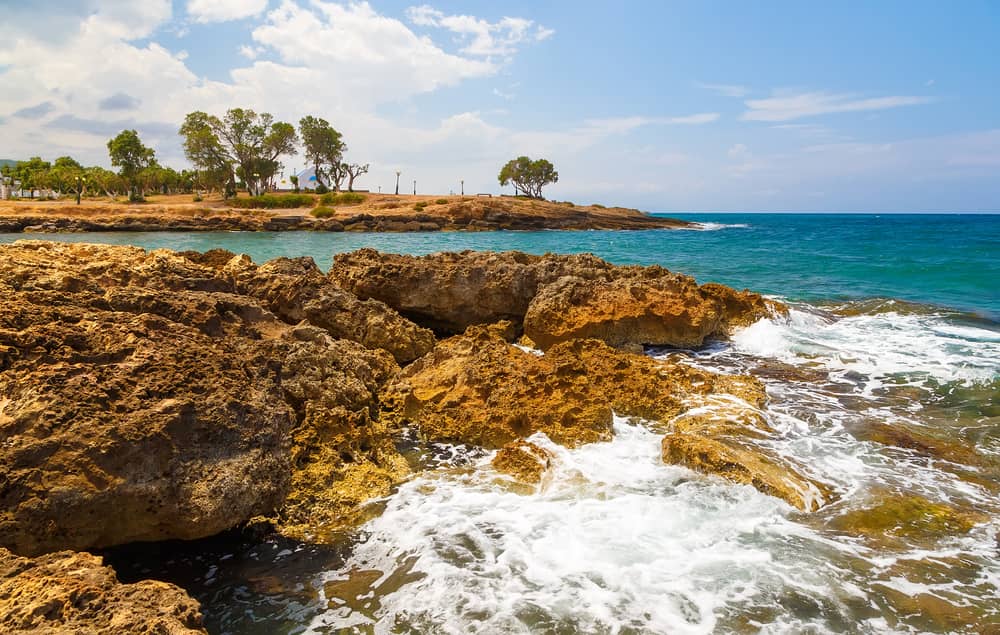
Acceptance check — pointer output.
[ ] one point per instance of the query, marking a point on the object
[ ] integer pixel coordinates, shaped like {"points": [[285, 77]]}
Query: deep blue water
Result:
{"points": [[950, 260]]}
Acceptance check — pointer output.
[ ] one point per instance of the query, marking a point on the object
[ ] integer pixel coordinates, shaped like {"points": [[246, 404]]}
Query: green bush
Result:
{"points": [[322, 189], [273, 201], [342, 198], [420, 206], [323, 212], [197, 198], [597, 206], [441, 201]]}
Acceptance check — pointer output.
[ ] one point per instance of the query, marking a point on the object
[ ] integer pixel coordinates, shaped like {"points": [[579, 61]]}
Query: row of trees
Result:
{"points": [[66, 175], [248, 146]]}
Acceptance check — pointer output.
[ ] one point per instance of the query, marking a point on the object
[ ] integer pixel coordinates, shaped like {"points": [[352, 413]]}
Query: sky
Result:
{"points": [[666, 106]]}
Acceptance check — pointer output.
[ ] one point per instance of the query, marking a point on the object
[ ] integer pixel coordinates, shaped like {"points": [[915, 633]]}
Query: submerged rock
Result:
{"points": [[142, 399], [69, 592], [718, 438], [552, 298], [894, 515]]}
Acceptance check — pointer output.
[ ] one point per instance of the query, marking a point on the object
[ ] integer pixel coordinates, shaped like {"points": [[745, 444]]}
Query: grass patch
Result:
{"points": [[273, 201], [342, 198], [420, 206], [441, 201], [323, 212], [597, 206]]}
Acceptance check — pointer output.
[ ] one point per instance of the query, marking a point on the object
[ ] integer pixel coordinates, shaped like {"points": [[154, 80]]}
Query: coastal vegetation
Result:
{"points": [[529, 177]]}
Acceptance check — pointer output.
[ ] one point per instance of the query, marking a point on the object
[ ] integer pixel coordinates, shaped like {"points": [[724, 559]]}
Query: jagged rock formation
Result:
{"points": [[551, 298], [143, 397], [69, 592]]}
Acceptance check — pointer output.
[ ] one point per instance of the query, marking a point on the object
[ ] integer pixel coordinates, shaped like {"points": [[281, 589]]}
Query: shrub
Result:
{"points": [[342, 198], [323, 212], [273, 201], [420, 206], [597, 206], [321, 189], [441, 201], [197, 198]]}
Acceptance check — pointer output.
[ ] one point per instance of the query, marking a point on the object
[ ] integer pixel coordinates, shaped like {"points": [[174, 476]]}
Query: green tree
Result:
{"points": [[243, 142], [131, 157], [324, 149], [67, 175], [528, 176], [104, 180], [32, 174]]}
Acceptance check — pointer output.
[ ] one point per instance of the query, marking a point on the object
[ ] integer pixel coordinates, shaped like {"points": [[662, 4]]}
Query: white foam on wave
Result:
{"points": [[901, 348], [614, 541], [711, 227]]}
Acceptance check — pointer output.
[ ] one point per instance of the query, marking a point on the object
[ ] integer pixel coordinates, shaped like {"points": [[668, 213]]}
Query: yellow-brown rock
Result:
{"points": [[69, 592], [553, 298], [718, 438], [142, 398], [477, 388], [523, 460], [893, 515]]}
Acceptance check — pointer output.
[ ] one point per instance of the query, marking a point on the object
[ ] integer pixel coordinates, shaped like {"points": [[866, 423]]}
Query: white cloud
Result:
{"points": [[205, 11], [726, 90], [786, 107], [479, 36]]}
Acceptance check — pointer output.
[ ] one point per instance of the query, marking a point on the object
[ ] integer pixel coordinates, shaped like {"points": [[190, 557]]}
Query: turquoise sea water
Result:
{"points": [[893, 406], [946, 260]]}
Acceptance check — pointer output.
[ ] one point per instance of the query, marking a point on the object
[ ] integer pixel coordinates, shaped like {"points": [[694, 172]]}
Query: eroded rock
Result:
{"points": [[69, 592], [523, 460]]}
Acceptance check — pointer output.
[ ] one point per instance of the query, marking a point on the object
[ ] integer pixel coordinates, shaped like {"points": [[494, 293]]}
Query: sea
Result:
{"points": [[883, 382]]}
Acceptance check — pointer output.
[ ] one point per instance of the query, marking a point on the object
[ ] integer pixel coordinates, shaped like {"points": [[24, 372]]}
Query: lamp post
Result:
{"points": [[414, 187], [256, 183], [397, 182], [79, 189], [463, 187]]}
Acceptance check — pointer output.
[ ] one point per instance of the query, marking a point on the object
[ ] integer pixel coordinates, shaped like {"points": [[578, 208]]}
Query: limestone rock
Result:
{"points": [[69, 592], [477, 388], [143, 398], [664, 311], [554, 297], [523, 460], [295, 289]]}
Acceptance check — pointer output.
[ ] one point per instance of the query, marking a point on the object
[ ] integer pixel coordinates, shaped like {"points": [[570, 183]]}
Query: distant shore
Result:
{"points": [[377, 212]]}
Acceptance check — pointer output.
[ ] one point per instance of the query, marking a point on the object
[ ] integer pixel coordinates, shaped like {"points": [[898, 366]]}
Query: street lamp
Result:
{"points": [[80, 181], [414, 187], [397, 182], [256, 183], [463, 187]]}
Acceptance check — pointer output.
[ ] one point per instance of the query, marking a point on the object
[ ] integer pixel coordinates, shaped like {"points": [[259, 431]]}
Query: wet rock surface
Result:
{"points": [[68, 592]]}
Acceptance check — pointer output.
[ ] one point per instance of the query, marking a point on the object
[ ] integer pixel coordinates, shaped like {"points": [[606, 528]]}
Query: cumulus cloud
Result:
{"points": [[786, 107], [119, 101], [205, 11], [479, 36], [34, 112]]}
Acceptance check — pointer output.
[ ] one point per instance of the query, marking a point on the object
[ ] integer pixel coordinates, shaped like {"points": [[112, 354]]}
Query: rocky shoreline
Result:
{"points": [[150, 396], [376, 214]]}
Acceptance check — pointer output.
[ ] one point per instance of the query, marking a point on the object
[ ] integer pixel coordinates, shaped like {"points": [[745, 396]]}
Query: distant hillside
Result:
{"points": [[6, 162]]}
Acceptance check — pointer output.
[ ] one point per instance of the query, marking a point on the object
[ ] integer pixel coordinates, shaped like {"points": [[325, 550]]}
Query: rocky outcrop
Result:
{"points": [[666, 311], [69, 592], [143, 398], [523, 460], [552, 298], [295, 290], [477, 388]]}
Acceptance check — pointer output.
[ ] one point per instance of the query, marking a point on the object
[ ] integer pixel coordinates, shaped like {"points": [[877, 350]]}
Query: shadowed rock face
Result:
{"points": [[143, 398], [552, 298], [69, 592]]}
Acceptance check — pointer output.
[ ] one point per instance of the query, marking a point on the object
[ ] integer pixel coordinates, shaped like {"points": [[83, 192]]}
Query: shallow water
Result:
{"points": [[893, 404]]}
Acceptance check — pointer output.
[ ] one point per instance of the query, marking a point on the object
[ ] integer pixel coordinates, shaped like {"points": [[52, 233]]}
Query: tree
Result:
{"points": [[324, 149], [354, 170], [67, 175], [31, 174], [243, 142], [528, 176], [131, 157]]}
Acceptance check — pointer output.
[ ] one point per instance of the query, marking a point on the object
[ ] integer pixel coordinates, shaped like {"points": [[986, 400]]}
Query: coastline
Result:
{"points": [[377, 213]]}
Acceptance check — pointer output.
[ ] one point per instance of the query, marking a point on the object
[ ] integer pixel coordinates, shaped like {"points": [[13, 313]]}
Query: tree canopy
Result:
{"points": [[242, 141], [528, 176], [130, 156], [324, 149]]}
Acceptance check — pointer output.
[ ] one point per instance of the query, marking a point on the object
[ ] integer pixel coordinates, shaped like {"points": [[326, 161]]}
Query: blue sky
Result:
{"points": [[673, 106]]}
